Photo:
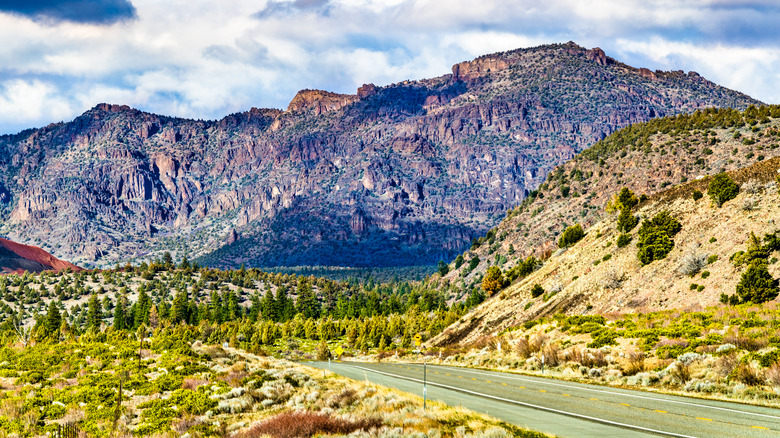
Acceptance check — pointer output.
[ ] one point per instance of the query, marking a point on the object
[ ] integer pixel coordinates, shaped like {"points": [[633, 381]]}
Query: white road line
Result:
{"points": [[603, 391], [529, 405]]}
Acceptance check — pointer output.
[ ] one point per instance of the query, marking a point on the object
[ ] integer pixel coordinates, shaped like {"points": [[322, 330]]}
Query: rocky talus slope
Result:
{"points": [[396, 175]]}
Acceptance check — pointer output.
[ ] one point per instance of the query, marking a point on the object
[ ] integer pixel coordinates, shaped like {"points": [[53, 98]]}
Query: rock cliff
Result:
{"points": [[403, 174]]}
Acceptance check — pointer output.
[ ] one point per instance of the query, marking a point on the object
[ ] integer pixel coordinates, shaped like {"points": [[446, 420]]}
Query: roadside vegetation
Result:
{"points": [[179, 386]]}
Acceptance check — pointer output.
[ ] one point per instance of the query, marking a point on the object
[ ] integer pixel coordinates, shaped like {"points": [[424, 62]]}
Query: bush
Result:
{"points": [[571, 235], [697, 195], [626, 221], [623, 240], [537, 290], [493, 281], [655, 237], [722, 189], [306, 424], [757, 285]]}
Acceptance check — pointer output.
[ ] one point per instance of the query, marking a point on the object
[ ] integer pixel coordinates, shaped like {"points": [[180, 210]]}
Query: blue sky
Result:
{"points": [[203, 59]]}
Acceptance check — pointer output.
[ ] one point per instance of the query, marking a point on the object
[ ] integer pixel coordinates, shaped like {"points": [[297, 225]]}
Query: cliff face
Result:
{"points": [[404, 174]]}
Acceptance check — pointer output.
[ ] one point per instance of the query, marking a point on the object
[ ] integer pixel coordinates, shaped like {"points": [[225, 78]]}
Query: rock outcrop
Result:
{"points": [[403, 174]]}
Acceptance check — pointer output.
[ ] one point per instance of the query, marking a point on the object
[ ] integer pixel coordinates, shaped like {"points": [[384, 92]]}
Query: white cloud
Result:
{"points": [[198, 58]]}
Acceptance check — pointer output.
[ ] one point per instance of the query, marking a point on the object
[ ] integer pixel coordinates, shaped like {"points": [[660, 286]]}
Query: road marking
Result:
{"points": [[448, 374], [567, 395], [625, 404], [660, 411], [488, 381], [529, 405], [585, 388], [760, 427], [473, 378], [704, 419], [504, 384], [594, 399], [542, 390], [521, 387]]}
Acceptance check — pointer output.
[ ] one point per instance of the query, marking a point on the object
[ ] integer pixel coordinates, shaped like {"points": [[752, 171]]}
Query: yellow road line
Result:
{"points": [[625, 404], [504, 384], [594, 399], [567, 395], [542, 390], [660, 411], [760, 427], [704, 419]]}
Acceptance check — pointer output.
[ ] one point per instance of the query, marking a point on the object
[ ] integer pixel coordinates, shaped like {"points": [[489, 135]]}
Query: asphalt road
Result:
{"points": [[568, 409]]}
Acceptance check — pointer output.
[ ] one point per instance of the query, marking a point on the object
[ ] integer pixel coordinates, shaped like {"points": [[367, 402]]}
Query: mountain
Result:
{"points": [[15, 257], [599, 275], [397, 175], [647, 158]]}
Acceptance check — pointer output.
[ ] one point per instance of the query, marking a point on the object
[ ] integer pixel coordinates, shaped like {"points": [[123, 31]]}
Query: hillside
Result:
{"points": [[596, 276], [17, 258], [397, 175], [647, 158]]}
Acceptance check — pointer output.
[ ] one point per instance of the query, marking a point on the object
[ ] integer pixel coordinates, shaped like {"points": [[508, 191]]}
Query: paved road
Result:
{"points": [[569, 409]]}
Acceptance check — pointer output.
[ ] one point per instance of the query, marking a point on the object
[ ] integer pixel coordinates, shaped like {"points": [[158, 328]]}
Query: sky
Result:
{"points": [[206, 59]]}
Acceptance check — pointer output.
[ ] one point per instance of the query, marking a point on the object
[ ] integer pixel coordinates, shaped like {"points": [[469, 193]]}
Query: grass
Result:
{"points": [[182, 386]]}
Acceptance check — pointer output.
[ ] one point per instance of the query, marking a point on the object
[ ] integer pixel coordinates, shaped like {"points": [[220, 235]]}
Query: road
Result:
{"points": [[568, 409]]}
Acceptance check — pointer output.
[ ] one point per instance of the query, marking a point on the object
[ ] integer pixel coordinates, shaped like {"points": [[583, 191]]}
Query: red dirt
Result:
{"points": [[37, 255]]}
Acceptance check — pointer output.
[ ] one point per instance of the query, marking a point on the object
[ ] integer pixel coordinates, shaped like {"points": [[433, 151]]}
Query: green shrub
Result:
{"points": [[705, 274], [626, 221], [757, 285], [623, 240], [537, 290], [697, 194], [571, 235], [712, 259], [722, 189], [655, 237]]}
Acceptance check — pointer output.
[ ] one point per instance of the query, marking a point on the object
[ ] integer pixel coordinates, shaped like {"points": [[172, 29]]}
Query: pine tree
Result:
{"points": [[94, 314], [142, 306], [53, 320], [119, 314], [308, 305]]}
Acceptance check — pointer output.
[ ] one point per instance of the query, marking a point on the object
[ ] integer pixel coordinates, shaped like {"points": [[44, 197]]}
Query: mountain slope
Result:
{"points": [[647, 158], [597, 277], [15, 257], [404, 174]]}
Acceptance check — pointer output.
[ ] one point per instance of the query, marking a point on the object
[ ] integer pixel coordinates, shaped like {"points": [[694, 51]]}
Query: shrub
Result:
{"points": [[692, 262], [626, 221], [722, 189], [493, 281], [697, 195], [306, 424], [655, 237], [623, 240], [571, 235], [537, 290], [757, 285]]}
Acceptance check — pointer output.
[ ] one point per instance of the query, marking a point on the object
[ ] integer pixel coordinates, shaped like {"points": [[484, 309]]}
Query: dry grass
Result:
{"points": [[307, 424]]}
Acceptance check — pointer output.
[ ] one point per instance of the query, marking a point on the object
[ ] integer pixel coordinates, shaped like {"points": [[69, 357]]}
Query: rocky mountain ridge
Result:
{"points": [[404, 174]]}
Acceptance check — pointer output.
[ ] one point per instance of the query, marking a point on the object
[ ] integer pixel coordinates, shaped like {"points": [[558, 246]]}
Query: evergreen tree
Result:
{"points": [[308, 305], [119, 314], [142, 306], [255, 308], [757, 285], [94, 314], [269, 307], [53, 320]]}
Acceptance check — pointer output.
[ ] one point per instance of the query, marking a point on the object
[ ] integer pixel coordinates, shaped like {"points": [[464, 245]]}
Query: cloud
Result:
{"points": [[79, 11], [201, 59]]}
